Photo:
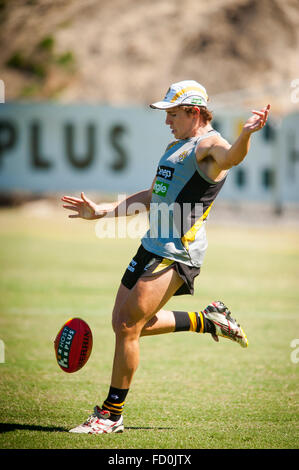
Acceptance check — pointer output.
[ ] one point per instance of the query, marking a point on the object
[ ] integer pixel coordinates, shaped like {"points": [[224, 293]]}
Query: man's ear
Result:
{"points": [[196, 110]]}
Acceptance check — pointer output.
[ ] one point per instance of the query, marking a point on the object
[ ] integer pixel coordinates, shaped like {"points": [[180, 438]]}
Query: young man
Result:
{"points": [[190, 174]]}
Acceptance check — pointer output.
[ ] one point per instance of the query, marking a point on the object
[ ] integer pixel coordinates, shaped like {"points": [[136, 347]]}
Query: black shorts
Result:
{"points": [[146, 264]]}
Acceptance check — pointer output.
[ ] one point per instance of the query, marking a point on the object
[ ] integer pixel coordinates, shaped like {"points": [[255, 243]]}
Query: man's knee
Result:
{"points": [[128, 321]]}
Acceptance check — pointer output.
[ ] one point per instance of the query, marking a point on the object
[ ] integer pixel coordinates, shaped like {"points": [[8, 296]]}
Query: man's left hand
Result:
{"points": [[257, 121]]}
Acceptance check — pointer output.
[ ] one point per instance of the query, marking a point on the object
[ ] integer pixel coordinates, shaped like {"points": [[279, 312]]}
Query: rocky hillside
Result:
{"points": [[129, 51]]}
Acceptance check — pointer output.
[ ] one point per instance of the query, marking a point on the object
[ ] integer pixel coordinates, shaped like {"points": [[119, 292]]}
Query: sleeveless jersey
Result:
{"points": [[181, 201]]}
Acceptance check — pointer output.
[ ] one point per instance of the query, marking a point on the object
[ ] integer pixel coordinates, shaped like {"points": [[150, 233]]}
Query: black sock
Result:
{"points": [[115, 402], [193, 321]]}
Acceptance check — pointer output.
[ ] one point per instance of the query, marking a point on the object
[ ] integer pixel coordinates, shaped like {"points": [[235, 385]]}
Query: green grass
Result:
{"points": [[188, 392]]}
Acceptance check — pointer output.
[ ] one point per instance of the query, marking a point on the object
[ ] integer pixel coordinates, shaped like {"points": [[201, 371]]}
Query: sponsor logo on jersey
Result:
{"points": [[182, 156], [160, 188], [165, 172]]}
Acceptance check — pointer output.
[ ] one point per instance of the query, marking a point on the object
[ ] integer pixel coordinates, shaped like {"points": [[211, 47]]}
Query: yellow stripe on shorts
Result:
{"points": [[164, 264]]}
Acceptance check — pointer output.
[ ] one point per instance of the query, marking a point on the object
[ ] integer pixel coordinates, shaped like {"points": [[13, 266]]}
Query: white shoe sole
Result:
{"points": [[90, 430]]}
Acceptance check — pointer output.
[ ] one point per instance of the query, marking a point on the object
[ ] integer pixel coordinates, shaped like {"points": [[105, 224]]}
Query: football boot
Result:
{"points": [[225, 325]]}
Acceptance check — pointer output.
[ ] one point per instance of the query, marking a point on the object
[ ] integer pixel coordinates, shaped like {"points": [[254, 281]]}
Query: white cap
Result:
{"points": [[187, 92]]}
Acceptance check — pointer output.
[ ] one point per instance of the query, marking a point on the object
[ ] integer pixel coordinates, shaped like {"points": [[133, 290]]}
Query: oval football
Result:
{"points": [[73, 345]]}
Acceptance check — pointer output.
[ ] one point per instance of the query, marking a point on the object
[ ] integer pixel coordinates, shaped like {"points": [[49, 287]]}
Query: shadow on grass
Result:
{"points": [[8, 427], [147, 428]]}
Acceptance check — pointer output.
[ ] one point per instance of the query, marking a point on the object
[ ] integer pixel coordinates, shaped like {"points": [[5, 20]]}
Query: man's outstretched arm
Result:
{"points": [[85, 208], [228, 156]]}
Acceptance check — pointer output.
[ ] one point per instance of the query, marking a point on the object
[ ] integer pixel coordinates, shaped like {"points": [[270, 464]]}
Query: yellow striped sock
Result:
{"points": [[196, 322]]}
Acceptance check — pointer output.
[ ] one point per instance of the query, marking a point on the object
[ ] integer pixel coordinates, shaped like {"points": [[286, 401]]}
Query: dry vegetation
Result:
{"points": [[128, 51]]}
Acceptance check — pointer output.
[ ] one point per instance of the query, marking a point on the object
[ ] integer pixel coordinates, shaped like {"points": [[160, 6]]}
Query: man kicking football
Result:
{"points": [[190, 174]]}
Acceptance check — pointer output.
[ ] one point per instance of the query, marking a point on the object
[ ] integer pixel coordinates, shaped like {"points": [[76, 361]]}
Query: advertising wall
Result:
{"points": [[48, 147]]}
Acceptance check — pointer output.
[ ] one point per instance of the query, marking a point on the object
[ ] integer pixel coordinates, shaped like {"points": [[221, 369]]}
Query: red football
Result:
{"points": [[73, 345]]}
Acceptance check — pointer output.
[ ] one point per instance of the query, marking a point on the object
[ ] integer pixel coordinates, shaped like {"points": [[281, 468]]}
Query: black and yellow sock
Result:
{"points": [[193, 321], [115, 402]]}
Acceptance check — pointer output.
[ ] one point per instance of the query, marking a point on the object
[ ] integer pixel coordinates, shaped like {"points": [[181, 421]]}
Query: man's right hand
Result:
{"points": [[84, 208]]}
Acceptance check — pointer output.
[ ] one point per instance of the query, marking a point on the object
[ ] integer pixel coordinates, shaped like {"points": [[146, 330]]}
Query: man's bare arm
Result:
{"points": [[227, 156], [85, 208]]}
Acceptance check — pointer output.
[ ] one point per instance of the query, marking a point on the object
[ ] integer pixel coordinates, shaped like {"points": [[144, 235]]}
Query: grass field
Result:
{"points": [[188, 392]]}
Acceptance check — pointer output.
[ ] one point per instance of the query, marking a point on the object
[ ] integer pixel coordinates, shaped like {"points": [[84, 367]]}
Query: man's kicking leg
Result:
{"points": [[133, 309], [215, 319]]}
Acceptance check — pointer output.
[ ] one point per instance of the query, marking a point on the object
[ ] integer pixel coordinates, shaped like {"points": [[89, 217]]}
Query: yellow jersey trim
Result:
{"points": [[190, 235]]}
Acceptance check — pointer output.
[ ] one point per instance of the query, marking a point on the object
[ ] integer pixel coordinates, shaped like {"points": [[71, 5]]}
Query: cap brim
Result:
{"points": [[163, 105]]}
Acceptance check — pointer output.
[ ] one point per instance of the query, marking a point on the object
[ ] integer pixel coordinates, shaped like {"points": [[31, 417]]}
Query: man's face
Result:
{"points": [[182, 124]]}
